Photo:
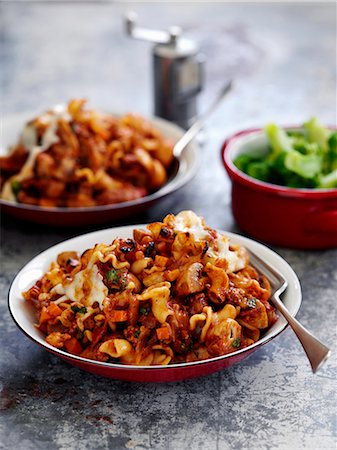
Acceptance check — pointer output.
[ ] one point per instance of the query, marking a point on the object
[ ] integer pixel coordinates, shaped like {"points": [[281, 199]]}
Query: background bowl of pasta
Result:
{"points": [[86, 167], [285, 215], [160, 371]]}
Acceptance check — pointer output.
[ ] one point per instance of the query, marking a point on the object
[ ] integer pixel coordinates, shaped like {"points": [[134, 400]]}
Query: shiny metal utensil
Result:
{"points": [[178, 71], [317, 352], [199, 123]]}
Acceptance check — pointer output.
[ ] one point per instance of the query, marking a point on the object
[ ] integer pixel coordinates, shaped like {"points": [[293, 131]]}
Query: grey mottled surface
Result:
{"points": [[285, 58]]}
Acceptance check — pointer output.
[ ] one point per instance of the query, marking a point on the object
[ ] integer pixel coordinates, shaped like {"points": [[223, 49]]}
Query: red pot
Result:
{"points": [[278, 215]]}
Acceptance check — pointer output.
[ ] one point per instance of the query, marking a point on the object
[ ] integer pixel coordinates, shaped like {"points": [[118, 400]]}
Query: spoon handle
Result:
{"points": [[316, 351], [199, 123]]}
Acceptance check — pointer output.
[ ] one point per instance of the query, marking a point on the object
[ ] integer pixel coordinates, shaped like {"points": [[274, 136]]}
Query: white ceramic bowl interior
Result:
{"points": [[253, 143], [23, 313]]}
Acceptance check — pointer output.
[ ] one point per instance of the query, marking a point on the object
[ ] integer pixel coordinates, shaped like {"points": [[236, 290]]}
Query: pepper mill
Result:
{"points": [[178, 72]]}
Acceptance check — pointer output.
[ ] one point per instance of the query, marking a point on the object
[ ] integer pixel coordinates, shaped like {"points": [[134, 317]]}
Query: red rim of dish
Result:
{"points": [[81, 359], [237, 175]]}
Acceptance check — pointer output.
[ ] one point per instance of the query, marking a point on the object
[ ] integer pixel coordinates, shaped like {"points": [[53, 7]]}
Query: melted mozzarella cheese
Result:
{"points": [[59, 289], [87, 287], [29, 141], [189, 222], [234, 260]]}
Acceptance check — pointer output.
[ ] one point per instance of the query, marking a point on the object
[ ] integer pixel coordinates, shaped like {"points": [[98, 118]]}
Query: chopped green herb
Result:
{"points": [[16, 187], [251, 302], [236, 343], [136, 334], [112, 276], [81, 310], [144, 311]]}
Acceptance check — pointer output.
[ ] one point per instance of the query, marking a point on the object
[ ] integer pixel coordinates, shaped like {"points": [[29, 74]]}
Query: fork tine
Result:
{"points": [[276, 279]]}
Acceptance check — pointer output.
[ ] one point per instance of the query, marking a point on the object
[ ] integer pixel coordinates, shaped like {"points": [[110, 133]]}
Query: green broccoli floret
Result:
{"points": [[243, 161], [260, 170], [278, 139], [298, 158], [306, 166], [328, 181], [317, 133], [332, 152]]}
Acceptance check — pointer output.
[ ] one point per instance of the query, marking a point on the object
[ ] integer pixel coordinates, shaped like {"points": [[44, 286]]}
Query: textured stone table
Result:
{"points": [[284, 59]]}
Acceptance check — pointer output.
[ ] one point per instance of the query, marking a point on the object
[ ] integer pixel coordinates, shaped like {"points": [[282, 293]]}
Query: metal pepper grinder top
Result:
{"points": [[178, 72]]}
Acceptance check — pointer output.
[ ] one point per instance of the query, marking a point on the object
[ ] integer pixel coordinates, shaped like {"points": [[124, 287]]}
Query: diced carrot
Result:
{"points": [[171, 275], [54, 310], [160, 261], [163, 333], [73, 346], [45, 315], [118, 316]]}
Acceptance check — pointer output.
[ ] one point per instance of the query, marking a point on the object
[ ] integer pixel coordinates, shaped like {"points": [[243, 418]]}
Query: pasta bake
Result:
{"points": [[75, 157], [178, 291]]}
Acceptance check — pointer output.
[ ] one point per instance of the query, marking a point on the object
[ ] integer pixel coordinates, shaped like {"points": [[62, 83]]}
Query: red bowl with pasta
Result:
{"points": [[279, 215], [24, 315]]}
